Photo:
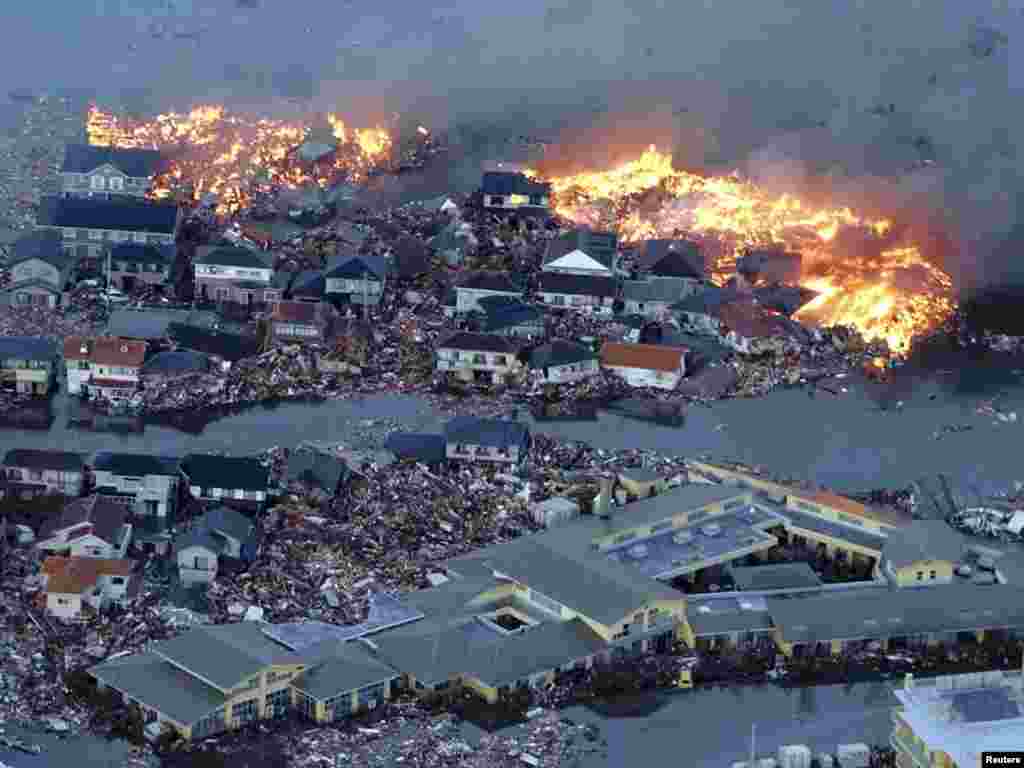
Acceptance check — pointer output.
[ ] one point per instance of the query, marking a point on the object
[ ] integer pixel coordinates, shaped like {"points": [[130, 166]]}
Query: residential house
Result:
{"points": [[506, 316], [785, 299], [31, 472], [242, 481], [40, 270], [652, 297], [646, 365], [92, 171], [218, 678], [96, 526], [424, 447], [701, 312], [306, 285], [673, 258], [89, 226], [357, 279], [750, 329], [513, 191], [582, 252], [148, 483], [134, 264], [71, 583], [924, 553], [28, 364], [454, 242], [232, 273], [218, 534], [300, 321], [480, 284], [155, 324], [479, 357], [107, 366], [586, 292], [563, 362], [315, 471], [769, 265], [501, 441]]}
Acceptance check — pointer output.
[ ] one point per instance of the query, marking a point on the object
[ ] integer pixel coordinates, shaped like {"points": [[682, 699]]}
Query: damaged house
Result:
{"points": [[479, 357], [30, 472], [134, 264], [583, 292], [241, 481], [357, 279], [562, 362], [672, 258], [652, 297], [750, 329], [702, 312], [219, 534], [71, 583], [40, 270], [501, 441], [769, 265], [481, 284], [149, 486], [28, 364], [646, 365], [300, 321], [513, 191], [507, 316], [315, 472], [96, 526], [582, 252]]}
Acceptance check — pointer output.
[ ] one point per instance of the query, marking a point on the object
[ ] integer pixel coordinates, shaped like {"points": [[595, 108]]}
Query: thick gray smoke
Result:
{"points": [[890, 103]]}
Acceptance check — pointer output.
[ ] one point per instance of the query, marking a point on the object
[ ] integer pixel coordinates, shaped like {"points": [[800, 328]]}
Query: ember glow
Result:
{"points": [[891, 293], [232, 156]]}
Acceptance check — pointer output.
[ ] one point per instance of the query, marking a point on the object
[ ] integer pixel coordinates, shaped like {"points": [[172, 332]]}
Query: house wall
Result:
{"points": [[514, 202], [359, 286], [187, 569], [23, 295], [218, 494], [487, 692], [643, 377], [104, 181], [523, 331], [94, 546], [93, 243], [68, 483], [560, 374], [675, 609], [37, 269], [142, 274], [115, 588], [470, 452], [645, 308], [468, 299], [574, 301], [65, 606], [309, 331], [828, 513], [908, 576], [77, 372], [465, 363]]}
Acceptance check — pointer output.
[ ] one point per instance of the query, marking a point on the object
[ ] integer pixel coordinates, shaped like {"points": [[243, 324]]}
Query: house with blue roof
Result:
{"points": [[91, 171], [501, 441], [357, 279]]}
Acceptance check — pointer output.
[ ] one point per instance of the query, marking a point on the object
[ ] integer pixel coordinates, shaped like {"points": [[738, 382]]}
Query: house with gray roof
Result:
{"points": [[93, 171], [477, 285], [41, 270], [925, 552], [357, 279], [671, 258], [560, 362], [229, 273], [510, 316], [217, 678], [502, 441], [582, 251], [478, 357], [315, 471], [702, 312], [240, 481], [88, 226], [654, 295], [30, 472], [136, 264], [220, 533]]}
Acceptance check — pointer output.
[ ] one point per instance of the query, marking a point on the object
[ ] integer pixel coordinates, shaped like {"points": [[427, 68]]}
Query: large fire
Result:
{"points": [[891, 292], [232, 156]]}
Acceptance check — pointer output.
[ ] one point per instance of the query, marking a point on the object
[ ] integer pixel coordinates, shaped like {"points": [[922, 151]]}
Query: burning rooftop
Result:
{"points": [[213, 151], [885, 287]]}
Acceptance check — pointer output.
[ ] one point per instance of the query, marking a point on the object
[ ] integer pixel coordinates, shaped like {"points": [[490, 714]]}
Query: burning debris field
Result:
{"points": [[883, 286]]}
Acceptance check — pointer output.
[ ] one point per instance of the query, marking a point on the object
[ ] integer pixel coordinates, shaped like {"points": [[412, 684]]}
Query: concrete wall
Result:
{"points": [[187, 570], [560, 374], [908, 575], [643, 377], [65, 606]]}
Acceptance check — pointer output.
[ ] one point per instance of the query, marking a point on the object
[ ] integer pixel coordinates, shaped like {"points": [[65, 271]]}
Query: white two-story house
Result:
{"points": [[91, 171], [357, 279], [149, 484], [479, 357], [233, 274], [71, 583], [646, 365], [90, 226], [29, 472], [106, 366]]}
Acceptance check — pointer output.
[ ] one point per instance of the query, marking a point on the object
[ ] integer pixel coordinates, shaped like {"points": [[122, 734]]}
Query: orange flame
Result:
{"points": [[232, 155], [648, 198]]}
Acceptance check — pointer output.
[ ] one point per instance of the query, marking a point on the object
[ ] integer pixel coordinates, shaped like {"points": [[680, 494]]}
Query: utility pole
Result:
{"points": [[753, 745], [107, 291]]}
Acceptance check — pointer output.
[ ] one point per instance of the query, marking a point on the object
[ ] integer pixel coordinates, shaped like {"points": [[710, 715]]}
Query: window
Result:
{"points": [[932, 574], [306, 705], [116, 183], [577, 301], [63, 601], [95, 234], [35, 474], [497, 200], [500, 360], [139, 237], [371, 695], [97, 182], [339, 706], [208, 725], [278, 703], [201, 563], [245, 711], [559, 301], [920, 575], [117, 581]]}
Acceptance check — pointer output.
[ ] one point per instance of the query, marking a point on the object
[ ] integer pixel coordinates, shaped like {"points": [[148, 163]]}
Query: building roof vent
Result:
{"points": [[638, 551], [682, 537], [711, 529]]}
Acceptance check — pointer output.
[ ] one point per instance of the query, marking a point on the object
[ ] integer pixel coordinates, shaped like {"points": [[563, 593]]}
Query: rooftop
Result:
{"points": [[176, 361], [925, 540], [108, 517], [577, 285], [600, 246], [495, 433], [648, 356], [111, 350], [74, 575], [231, 256], [483, 280], [46, 245], [121, 215], [965, 715], [296, 311], [512, 183], [153, 323], [560, 352], [142, 253], [763, 578], [140, 163], [27, 348], [228, 472], [848, 533], [671, 258], [136, 464], [63, 461], [479, 342]]}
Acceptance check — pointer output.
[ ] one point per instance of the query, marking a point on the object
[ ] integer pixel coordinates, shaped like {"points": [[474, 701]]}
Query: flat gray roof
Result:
{"points": [[341, 667], [925, 540], [663, 558], [149, 679], [385, 611], [878, 613], [226, 654], [722, 623], [665, 505], [847, 533], [774, 576]]}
